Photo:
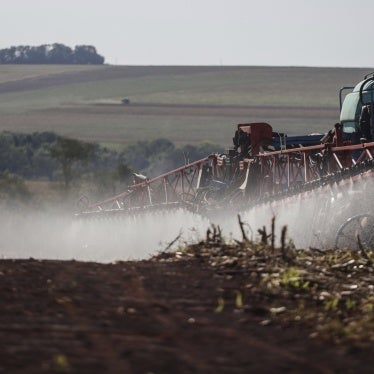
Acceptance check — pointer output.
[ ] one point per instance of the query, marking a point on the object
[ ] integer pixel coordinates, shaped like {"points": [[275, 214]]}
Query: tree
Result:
{"points": [[55, 53], [13, 190], [123, 172], [68, 152], [86, 54], [59, 54], [36, 55]]}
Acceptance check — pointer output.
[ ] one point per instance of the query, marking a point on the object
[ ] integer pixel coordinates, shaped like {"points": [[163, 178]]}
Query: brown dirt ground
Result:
{"points": [[150, 317]]}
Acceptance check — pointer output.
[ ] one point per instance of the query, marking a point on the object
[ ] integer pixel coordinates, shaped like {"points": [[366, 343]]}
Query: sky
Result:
{"points": [[335, 33]]}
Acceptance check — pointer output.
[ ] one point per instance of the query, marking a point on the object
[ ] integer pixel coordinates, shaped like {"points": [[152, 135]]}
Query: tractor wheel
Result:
{"points": [[360, 225]]}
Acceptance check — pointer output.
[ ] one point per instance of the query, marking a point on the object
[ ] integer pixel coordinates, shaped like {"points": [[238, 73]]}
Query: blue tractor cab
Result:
{"points": [[356, 112]]}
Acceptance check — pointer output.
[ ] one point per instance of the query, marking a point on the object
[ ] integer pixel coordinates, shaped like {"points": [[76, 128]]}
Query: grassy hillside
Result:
{"points": [[185, 104], [17, 72]]}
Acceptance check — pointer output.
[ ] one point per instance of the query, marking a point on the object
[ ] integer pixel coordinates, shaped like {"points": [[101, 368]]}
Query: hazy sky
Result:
{"points": [[200, 32]]}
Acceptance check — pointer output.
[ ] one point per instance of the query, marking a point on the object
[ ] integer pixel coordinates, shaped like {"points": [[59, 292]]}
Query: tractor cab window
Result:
{"points": [[349, 127], [350, 113]]}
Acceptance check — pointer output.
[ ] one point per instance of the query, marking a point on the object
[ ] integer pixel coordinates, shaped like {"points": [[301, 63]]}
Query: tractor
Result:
{"points": [[268, 167]]}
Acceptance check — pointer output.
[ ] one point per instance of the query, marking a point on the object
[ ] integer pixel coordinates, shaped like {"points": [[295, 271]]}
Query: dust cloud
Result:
{"points": [[312, 219], [57, 235]]}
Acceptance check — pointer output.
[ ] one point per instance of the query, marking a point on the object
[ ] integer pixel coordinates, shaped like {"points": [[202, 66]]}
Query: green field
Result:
{"points": [[184, 104]]}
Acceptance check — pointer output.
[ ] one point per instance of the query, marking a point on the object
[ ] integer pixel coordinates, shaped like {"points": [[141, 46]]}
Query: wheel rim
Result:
{"points": [[361, 225]]}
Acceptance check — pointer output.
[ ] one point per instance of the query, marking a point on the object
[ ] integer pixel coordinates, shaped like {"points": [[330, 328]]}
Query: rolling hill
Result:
{"points": [[182, 103]]}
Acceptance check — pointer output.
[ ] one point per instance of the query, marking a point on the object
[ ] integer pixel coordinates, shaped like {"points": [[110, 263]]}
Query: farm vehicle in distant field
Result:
{"points": [[266, 166]]}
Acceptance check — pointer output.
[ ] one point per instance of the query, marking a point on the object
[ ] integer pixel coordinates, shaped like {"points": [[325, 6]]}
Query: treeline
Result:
{"points": [[48, 156], [51, 54]]}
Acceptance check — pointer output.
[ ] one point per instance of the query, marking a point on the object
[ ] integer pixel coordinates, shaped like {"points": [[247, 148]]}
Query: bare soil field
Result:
{"points": [[206, 310]]}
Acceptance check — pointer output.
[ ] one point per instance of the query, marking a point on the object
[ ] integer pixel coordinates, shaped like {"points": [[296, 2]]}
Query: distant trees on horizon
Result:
{"points": [[51, 54]]}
